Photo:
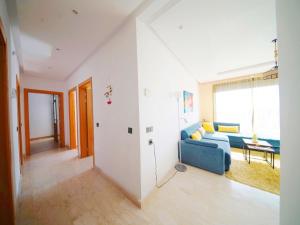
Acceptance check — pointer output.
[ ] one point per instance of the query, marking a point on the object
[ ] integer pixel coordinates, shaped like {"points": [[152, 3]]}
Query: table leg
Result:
{"points": [[273, 159], [249, 154]]}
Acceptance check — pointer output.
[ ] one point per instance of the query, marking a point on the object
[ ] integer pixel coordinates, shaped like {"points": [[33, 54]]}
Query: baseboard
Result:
{"points": [[146, 199], [131, 197], [39, 138], [155, 189]]}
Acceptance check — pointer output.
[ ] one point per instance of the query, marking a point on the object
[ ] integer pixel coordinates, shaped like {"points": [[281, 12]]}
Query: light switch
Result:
{"points": [[129, 130]]}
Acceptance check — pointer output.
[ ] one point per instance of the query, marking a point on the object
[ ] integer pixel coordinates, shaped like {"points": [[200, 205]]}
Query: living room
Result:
{"points": [[238, 81], [246, 110]]}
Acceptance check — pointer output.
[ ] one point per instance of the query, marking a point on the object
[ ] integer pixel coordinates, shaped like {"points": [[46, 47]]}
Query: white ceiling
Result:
{"points": [[218, 39], [212, 39], [47, 25]]}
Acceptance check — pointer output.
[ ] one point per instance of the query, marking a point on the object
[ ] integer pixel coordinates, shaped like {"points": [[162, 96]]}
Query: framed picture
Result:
{"points": [[188, 101]]}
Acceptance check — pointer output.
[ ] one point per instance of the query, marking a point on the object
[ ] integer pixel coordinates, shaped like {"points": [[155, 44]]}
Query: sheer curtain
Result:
{"points": [[252, 103], [266, 108]]}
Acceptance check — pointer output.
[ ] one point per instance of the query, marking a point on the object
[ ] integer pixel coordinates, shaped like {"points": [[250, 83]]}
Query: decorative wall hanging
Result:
{"points": [[108, 94], [188, 101]]}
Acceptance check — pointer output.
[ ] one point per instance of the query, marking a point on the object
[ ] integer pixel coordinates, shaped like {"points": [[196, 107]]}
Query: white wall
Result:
{"points": [[163, 77], [40, 115], [32, 82], [13, 71], [206, 96], [288, 18], [115, 63]]}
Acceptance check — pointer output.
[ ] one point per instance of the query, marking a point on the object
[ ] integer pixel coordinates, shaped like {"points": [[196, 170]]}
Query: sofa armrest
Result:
{"points": [[204, 157], [201, 143]]}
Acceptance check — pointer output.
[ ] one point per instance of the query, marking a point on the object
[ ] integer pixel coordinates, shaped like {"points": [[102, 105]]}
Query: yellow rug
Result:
{"points": [[257, 174]]}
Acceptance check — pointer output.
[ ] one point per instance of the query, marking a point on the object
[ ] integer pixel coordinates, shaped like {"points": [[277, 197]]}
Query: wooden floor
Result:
{"points": [[60, 189]]}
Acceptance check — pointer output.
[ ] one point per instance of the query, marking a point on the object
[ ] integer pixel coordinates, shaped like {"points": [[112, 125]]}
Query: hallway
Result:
{"points": [[42, 145], [59, 188]]}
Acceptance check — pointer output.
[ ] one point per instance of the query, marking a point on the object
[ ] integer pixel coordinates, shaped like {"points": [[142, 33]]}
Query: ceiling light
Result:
{"points": [[57, 49], [75, 11], [180, 27]]}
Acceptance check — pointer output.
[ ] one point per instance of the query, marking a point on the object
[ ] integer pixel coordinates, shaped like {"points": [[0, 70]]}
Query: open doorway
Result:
{"points": [[43, 125], [44, 120], [73, 118], [86, 118]]}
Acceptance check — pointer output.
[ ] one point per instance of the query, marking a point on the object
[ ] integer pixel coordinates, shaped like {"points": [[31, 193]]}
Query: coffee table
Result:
{"points": [[259, 146]]}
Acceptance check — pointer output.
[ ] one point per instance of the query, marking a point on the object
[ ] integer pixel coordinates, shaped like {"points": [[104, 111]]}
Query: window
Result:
{"points": [[252, 103]]}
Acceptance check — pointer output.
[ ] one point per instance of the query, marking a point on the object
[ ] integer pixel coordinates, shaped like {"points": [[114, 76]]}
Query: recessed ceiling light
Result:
{"points": [[75, 11], [180, 27]]}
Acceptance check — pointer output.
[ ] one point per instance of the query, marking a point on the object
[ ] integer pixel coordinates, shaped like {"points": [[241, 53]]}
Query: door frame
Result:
{"points": [[83, 132], [7, 212], [76, 121], [26, 115], [18, 89]]}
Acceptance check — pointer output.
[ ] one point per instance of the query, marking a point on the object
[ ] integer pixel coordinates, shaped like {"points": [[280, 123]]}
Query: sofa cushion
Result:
{"points": [[187, 132], [201, 143], [196, 135], [208, 127], [220, 144], [229, 129], [202, 131], [216, 136], [216, 125]]}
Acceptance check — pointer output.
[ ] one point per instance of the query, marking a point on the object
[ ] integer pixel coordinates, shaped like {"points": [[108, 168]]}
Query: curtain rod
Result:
{"points": [[269, 75]]}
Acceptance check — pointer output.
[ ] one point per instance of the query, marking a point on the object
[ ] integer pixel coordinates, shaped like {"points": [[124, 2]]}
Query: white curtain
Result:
{"points": [[252, 103]]}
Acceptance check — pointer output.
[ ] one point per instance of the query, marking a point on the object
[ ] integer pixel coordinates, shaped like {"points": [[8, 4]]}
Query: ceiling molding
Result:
{"points": [[242, 70]]}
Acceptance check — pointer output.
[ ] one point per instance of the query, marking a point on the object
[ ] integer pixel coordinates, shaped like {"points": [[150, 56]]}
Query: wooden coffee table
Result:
{"points": [[259, 146]]}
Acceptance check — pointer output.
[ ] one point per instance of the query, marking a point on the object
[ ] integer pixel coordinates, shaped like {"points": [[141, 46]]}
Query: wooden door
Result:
{"points": [[90, 123], [72, 119], [6, 193], [86, 119], [19, 120]]}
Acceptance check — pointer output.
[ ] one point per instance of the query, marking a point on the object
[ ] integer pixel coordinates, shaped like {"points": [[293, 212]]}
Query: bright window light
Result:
{"points": [[255, 108]]}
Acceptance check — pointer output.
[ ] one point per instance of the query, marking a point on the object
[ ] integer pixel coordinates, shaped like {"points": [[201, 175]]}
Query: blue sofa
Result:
{"points": [[236, 139], [211, 153]]}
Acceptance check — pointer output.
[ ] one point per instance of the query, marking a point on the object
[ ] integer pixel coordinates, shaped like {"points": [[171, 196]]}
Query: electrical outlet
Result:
{"points": [[129, 130], [150, 142]]}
